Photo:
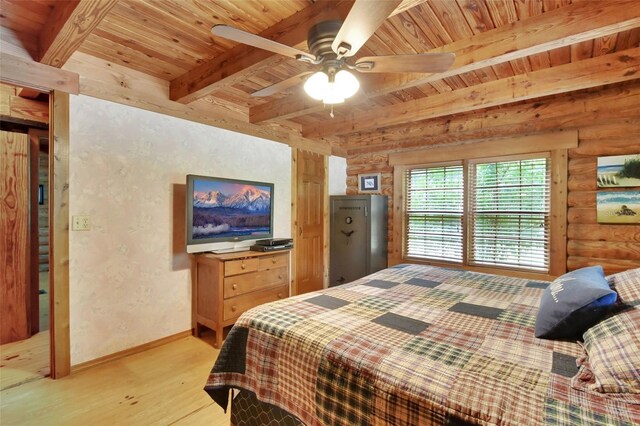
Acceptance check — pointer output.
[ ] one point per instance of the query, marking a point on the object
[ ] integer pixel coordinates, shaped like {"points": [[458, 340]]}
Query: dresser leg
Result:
{"points": [[219, 334]]}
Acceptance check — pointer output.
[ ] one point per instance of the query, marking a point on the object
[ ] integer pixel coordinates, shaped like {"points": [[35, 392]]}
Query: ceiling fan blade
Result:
{"points": [[231, 33], [423, 62], [363, 20], [281, 86]]}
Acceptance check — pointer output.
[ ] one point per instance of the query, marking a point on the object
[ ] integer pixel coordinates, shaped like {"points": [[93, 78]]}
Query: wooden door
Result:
{"points": [[14, 237], [310, 222]]}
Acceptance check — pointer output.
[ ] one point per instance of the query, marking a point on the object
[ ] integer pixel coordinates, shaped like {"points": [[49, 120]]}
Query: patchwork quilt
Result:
{"points": [[414, 345]]}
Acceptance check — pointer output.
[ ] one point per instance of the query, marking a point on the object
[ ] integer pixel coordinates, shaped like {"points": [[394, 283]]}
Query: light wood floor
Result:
{"points": [[161, 386], [24, 361]]}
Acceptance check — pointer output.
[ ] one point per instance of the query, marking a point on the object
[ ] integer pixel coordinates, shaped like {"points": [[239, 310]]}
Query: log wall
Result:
{"points": [[608, 123]]}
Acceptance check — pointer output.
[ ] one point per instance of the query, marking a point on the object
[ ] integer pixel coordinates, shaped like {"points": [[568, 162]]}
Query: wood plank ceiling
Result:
{"points": [[507, 51]]}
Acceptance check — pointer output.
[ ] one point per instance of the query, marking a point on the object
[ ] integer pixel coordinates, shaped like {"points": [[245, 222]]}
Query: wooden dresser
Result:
{"points": [[226, 285]]}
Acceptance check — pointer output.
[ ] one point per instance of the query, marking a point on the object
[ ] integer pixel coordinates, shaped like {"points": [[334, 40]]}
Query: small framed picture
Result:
{"points": [[369, 183]]}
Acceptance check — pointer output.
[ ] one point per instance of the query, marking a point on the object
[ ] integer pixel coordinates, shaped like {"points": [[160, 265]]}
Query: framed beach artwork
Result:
{"points": [[619, 171], [618, 207]]}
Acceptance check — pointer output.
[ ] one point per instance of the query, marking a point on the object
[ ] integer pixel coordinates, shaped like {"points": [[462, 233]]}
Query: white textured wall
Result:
{"points": [[129, 275], [337, 176]]}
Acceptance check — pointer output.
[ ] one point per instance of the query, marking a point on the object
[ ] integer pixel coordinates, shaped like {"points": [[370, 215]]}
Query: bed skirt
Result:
{"points": [[247, 410]]}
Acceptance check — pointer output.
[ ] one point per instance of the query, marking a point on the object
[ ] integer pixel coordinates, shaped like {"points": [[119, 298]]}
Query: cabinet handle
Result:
{"points": [[280, 276], [243, 266], [233, 309], [279, 295], [234, 287], [274, 261]]}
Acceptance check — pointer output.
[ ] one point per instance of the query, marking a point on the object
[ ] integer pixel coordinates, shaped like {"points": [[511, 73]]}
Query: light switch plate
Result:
{"points": [[80, 223]]}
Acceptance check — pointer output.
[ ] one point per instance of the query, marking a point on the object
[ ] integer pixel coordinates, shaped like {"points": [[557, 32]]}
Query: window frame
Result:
{"points": [[553, 145]]}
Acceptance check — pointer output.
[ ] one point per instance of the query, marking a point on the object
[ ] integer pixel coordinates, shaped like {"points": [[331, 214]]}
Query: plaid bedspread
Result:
{"points": [[412, 345]]}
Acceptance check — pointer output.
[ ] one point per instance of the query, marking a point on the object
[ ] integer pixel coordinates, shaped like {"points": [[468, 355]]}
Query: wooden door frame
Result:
{"points": [[294, 222], [59, 226]]}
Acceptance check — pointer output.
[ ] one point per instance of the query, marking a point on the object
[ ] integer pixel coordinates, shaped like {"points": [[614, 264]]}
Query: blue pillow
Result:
{"points": [[573, 303]]}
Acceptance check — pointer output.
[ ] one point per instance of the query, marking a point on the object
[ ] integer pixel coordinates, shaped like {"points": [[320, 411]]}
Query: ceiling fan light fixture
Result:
{"points": [[320, 87]]}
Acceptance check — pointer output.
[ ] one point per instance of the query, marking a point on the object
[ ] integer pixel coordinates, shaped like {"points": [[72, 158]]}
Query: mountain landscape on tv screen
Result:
{"points": [[239, 210]]}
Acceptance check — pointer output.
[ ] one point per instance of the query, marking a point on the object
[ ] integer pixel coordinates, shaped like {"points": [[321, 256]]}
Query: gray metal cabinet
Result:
{"points": [[358, 239]]}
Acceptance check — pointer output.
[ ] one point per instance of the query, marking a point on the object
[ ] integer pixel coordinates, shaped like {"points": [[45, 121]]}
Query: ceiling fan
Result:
{"points": [[331, 45]]}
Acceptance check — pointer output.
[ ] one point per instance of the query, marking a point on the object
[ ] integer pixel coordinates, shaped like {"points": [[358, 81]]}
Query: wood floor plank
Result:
{"points": [[160, 386]]}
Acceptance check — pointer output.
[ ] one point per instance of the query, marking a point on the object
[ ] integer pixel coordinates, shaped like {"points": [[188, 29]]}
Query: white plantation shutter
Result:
{"points": [[434, 206], [509, 209]]}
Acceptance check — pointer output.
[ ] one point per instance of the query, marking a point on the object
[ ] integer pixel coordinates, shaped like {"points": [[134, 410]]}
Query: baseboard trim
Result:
{"points": [[131, 351]]}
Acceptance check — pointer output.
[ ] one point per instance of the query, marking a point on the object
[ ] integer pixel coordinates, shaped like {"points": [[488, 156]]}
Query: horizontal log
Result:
{"points": [[602, 232], [581, 215], [571, 110], [610, 266], [368, 158], [621, 128], [488, 148], [369, 168], [582, 165], [605, 249], [582, 182], [582, 199], [470, 130], [600, 147]]}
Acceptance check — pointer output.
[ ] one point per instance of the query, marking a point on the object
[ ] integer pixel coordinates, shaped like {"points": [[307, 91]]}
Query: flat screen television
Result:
{"points": [[226, 215]]}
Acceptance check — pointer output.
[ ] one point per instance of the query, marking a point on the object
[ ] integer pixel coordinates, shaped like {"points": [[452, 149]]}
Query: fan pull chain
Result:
{"points": [[331, 113]]}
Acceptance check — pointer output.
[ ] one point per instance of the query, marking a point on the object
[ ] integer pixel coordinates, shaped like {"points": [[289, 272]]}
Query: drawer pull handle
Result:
{"points": [[274, 261], [234, 287], [280, 276], [233, 309], [279, 295], [243, 266]]}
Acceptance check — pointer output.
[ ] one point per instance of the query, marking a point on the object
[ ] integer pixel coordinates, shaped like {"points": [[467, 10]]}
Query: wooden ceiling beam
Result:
{"points": [[21, 72], [69, 23], [558, 28], [234, 65], [598, 71]]}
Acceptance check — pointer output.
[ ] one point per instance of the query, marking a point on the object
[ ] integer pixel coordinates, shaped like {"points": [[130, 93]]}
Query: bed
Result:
{"points": [[422, 345]]}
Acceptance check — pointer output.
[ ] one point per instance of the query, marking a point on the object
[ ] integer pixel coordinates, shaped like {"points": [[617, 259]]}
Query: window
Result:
{"points": [[509, 208], [434, 212], [504, 220]]}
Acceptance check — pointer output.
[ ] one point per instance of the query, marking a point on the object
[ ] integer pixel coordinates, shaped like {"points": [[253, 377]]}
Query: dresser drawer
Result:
{"points": [[275, 261], [253, 281], [241, 266], [235, 306]]}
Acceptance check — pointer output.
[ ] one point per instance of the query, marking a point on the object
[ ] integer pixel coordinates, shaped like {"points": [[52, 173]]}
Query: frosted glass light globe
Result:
{"points": [[346, 83], [316, 85]]}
